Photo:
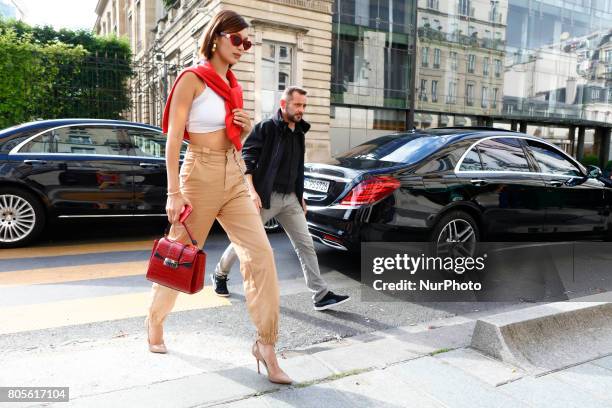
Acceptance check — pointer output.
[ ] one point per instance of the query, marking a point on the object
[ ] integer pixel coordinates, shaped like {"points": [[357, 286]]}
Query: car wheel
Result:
{"points": [[456, 235], [272, 225], [22, 217]]}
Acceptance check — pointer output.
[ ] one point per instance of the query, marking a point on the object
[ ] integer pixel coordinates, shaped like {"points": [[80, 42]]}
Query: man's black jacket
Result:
{"points": [[263, 150]]}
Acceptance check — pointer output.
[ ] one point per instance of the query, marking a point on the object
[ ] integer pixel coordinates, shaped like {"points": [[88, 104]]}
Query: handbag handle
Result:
{"points": [[193, 241]]}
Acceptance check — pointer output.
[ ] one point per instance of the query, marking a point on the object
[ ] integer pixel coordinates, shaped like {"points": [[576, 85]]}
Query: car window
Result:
{"points": [[150, 143], [91, 140], [502, 154], [551, 161], [471, 161], [7, 143], [438, 164], [409, 148]]}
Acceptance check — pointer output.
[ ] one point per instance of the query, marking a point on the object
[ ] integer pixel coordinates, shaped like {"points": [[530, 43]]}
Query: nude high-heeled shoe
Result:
{"points": [[279, 377], [154, 348]]}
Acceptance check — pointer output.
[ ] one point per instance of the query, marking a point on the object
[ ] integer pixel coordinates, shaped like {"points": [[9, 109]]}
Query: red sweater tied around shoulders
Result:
{"points": [[231, 94]]}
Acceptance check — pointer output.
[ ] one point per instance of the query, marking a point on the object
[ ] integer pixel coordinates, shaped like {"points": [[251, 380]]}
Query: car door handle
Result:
{"points": [[149, 165], [555, 183], [32, 162], [478, 182]]}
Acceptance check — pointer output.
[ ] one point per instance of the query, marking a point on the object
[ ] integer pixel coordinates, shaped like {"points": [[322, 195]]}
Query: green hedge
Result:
{"points": [[590, 159], [57, 74]]}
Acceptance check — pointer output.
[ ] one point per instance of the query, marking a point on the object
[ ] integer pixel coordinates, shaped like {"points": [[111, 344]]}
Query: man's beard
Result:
{"points": [[292, 117]]}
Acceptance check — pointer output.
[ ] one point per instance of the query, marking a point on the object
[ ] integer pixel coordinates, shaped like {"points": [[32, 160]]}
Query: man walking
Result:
{"points": [[274, 157]]}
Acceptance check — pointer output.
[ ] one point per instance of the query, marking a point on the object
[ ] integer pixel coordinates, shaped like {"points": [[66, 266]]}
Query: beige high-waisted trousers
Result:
{"points": [[214, 184]]}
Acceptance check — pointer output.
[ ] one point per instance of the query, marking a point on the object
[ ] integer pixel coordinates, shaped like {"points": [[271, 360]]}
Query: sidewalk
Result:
{"points": [[413, 366]]}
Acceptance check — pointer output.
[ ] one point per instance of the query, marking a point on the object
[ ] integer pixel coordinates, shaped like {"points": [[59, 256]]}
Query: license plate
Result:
{"points": [[316, 185]]}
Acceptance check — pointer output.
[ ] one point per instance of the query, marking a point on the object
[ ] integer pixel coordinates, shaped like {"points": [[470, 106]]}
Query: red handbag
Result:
{"points": [[176, 265]]}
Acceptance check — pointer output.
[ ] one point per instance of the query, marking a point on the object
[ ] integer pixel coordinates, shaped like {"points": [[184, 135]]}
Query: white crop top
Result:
{"points": [[207, 113]]}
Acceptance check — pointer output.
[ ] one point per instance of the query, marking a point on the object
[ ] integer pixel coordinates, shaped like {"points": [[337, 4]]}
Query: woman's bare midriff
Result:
{"points": [[216, 140]]}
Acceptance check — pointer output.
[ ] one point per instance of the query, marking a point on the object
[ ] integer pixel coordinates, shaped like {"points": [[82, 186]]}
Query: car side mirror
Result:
{"points": [[593, 172]]}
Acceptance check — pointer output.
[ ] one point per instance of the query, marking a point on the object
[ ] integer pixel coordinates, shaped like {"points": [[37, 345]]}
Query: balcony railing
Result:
{"points": [[428, 33], [495, 17], [465, 11]]}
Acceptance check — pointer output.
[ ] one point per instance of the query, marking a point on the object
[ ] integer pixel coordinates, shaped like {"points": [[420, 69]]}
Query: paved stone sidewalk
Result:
{"points": [[413, 366]]}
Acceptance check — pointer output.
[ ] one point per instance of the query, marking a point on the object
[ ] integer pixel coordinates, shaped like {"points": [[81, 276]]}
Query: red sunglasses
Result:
{"points": [[236, 40]]}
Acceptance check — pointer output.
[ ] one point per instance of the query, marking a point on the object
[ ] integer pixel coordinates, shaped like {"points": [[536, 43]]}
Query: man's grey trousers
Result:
{"points": [[290, 215]]}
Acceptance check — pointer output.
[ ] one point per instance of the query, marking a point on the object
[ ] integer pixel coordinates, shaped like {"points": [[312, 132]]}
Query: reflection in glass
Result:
{"points": [[97, 140]]}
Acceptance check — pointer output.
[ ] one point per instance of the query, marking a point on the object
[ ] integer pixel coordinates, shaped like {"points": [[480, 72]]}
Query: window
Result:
{"points": [[129, 27], [494, 102], [484, 97], [469, 94], [503, 154], [408, 148], [551, 161], [464, 7], [453, 60], [436, 61], [609, 56], [471, 30], [485, 66], [494, 14], [498, 68], [423, 90], [432, 4], [437, 164], [425, 57], [147, 143], [434, 91], [95, 140], [137, 28], [471, 161], [277, 74], [471, 63], [451, 96], [595, 94]]}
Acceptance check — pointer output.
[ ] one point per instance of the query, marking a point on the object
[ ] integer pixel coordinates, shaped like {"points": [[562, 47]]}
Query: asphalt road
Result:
{"points": [[85, 280]]}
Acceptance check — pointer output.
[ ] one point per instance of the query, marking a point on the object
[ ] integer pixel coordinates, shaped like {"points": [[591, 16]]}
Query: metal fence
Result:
{"points": [[101, 87]]}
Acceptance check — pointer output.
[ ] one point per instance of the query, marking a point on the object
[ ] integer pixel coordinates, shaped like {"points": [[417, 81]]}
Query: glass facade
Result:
{"points": [[477, 62], [372, 46]]}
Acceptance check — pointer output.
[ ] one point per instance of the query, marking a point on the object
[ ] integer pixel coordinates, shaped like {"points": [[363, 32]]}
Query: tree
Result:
{"points": [[46, 73]]}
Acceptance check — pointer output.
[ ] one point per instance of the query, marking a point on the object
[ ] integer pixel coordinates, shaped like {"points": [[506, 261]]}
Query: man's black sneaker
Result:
{"points": [[330, 300], [219, 284]]}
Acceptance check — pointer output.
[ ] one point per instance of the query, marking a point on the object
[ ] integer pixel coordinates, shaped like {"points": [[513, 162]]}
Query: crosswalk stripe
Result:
{"points": [[72, 273], [15, 319], [77, 249]]}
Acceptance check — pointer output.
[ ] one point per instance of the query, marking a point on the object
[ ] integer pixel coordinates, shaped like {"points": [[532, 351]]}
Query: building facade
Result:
{"points": [[539, 66], [292, 45], [133, 19]]}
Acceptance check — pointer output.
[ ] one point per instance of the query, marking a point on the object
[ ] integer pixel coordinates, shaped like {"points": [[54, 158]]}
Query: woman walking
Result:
{"points": [[205, 107]]}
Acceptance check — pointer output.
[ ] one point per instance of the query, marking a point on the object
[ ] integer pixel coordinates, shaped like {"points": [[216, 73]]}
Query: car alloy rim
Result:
{"points": [[17, 218], [457, 238]]}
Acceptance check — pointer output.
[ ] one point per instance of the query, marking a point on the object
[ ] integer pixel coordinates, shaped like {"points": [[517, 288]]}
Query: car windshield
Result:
{"points": [[402, 148]]}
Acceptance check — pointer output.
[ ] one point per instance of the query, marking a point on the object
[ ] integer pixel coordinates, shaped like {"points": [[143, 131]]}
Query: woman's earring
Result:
{"points": [[214, 48]]}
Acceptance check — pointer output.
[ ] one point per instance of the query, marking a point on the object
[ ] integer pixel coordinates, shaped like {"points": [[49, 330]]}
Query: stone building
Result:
{"points": [[291, 45]]}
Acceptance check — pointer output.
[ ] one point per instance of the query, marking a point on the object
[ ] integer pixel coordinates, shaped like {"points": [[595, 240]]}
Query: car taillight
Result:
{"points": [[371, 190]]}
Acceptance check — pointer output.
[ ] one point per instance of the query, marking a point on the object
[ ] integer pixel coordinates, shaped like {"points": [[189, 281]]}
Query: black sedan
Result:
{"points": [[78, 168], [454, 185]]}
